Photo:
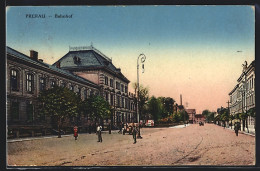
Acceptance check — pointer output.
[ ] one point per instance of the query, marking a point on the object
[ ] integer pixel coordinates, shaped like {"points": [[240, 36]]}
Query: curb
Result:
{"points": [[53, 136], [240, 132]]}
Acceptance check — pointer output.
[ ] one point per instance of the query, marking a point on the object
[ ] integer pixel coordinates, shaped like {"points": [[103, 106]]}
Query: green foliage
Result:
{"points": [[251, 112], [209, 116], [243, 116], [167, 103], [96, 107], [183, 115], [155, 108], [143, 98], [59, 102]]}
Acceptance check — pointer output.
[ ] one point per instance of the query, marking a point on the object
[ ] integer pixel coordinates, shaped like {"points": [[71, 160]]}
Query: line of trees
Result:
{"points": [[159, 109], [61, 104], [225, 117]]}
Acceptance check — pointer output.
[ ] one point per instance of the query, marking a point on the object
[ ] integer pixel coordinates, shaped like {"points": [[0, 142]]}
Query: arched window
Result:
{"points": [[29, 83], [14, 80], [42, 83]]}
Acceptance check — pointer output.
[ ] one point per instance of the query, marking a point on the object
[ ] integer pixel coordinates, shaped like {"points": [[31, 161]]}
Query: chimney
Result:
{"points": [[33, 54], [181, 99], [58, 64]]}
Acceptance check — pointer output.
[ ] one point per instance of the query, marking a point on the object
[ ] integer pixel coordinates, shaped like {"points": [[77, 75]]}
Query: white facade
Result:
{"points": [[242, 97]]}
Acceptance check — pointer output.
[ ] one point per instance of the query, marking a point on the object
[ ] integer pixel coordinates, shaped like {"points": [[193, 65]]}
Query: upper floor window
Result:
{"points": [[77, 60], [42, 82], [106, 94], [111, 83], [122, 87], [85, 94], [111, 99], [106, 81], [62, 84], [126, 89], [53, 83], [91, 92], [14, 80], [71, 87], [79, 91], [118, 101], [29, 83], [123, 104], [118, 85]]}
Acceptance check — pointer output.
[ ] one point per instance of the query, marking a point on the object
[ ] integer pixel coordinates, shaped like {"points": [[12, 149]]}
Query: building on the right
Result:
{"points": [[242, 97]]}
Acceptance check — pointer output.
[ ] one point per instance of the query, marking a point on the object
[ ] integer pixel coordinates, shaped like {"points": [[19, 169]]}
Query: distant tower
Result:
{"points": [[187, 105], [181, 99]]}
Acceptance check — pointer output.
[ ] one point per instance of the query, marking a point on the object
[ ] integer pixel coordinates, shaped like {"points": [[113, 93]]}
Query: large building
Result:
{"points": [[89, 63], [191, 113], [85, 72], [242, 97]]}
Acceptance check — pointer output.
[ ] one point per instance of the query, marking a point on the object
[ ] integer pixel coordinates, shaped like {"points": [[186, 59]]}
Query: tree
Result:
{"points": [[176, 117], [155, 108], [243, 117], [208, 115], [167, 103], [251, 112], [97, 107], [143, 97], [231, 118], [183, 115], [59, 103]]}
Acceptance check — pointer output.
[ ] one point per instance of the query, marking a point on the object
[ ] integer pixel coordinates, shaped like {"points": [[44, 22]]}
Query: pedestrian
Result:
{"points": [[99, 129], [236, 127], [120, 128], [89, 128], [134, 133], [75, 132]]}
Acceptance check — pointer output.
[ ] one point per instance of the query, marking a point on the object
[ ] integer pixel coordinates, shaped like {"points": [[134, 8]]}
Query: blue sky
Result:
{"points": [[177, 40]]}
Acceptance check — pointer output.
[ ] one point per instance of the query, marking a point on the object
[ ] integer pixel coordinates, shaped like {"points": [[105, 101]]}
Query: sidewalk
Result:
{"points": [[54, 136], [180, 126], [241, 132]]}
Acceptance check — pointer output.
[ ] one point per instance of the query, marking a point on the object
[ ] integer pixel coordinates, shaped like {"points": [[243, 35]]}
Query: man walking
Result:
{"points": [[99, 128], [236, 128], [134, 133]]}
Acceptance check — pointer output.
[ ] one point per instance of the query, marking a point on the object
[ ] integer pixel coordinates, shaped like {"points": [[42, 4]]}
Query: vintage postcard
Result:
{"points": [[130, 85]]}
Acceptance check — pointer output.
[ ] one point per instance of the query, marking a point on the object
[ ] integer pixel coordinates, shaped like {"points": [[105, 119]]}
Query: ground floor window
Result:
{"points": [[29, 111], [14, 110]]}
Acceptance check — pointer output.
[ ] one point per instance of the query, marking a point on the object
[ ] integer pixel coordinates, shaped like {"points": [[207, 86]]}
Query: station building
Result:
{"points": [[86, 71]]}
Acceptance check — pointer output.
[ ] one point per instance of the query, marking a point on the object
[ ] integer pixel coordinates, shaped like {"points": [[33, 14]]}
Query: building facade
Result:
{"points": [[191, 113], [242, 97], [27, 75], [199, 118], [91, 64]]}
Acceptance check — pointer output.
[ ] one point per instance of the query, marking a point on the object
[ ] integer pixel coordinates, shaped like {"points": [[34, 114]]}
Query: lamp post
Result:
{"points": [[143, 57]]}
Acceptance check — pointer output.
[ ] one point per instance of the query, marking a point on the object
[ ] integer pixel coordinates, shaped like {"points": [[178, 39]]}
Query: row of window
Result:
{"points": [[42, 83], [250, 83], [121, 101], [122, 88]]}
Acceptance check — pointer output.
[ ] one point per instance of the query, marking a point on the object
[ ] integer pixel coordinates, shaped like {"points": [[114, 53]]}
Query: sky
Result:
{"points": [[190, 50]]}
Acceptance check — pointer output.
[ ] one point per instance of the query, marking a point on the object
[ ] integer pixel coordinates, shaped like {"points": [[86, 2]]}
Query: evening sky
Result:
{"points": [[190, 50]]}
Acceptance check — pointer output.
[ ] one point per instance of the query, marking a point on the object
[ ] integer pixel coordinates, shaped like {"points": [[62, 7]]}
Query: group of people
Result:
{"points": [[99, 130]]}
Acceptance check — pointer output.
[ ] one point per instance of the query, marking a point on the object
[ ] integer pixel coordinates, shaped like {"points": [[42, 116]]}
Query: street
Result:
{"points": [[192, 145]]}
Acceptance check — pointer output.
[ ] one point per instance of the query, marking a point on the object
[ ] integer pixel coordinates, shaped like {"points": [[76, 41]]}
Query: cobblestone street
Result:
{"points": [[194, 145]]}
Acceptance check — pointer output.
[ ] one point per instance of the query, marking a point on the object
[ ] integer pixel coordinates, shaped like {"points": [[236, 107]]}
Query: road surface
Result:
{"points": [[192, 145]]}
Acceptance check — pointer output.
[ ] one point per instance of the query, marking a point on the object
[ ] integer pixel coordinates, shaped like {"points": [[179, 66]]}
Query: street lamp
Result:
{"points": [[143, 57]]}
